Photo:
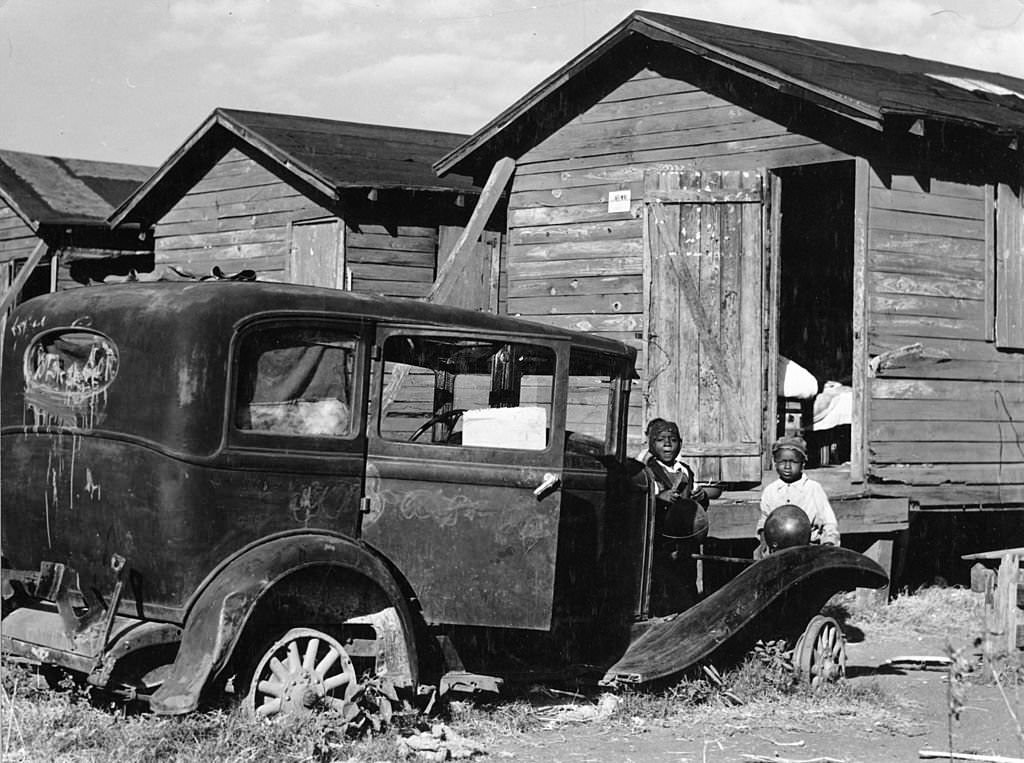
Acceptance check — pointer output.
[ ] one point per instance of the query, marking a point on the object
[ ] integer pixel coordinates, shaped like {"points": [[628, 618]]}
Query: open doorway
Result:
{"points": [[815, 308]]}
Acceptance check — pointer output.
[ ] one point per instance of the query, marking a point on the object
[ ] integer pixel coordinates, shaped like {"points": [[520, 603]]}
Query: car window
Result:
{"points": [[71, 363], [474, 393], [593, 386], [296, 381]]}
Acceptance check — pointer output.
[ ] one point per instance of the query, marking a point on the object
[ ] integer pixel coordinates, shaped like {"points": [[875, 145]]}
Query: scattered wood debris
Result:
{"points": [[946, 755], [439, 744], [557, 715]]}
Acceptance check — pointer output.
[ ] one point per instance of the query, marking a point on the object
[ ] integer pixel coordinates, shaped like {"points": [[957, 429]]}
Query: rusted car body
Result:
{"points": [[278, 489]]}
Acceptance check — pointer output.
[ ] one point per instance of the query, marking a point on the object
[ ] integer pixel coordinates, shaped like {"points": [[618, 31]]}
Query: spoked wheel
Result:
{"points": [[820, 653], [304, 671]]}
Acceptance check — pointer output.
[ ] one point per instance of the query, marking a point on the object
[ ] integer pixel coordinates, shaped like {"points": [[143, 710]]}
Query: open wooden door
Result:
{"points": [[704, 334]]}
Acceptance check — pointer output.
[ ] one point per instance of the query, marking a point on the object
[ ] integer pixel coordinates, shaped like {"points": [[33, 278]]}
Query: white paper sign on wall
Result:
{"points": [[618, 201]]}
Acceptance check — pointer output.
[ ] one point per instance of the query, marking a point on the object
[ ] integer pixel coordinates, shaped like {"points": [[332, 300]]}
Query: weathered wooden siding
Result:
{"points": [[953, 410], [17, 240], [399, 262], [237, 217], [570, 262]]}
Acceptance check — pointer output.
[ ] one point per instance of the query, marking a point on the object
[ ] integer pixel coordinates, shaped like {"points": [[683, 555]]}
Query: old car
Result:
{"points": [[276, 491]]}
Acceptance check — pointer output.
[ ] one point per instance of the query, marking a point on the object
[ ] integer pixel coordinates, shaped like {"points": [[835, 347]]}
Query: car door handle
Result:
{"points": [[548, 483]]}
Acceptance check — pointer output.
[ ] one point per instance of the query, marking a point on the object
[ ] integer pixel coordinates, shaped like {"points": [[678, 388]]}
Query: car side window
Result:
{"points": [[296, 381], [593, 389], [470, 392]]}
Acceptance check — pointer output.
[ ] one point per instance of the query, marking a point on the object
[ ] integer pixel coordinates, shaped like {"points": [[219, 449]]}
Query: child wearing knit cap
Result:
{"points": [[796, 488]]}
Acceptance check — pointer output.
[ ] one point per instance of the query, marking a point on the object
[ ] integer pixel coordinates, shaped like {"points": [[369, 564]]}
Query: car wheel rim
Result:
{"points": [[304, 671]]}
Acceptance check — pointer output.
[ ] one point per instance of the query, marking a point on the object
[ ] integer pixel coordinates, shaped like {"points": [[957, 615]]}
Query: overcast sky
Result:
{"points": [[128, 80]]}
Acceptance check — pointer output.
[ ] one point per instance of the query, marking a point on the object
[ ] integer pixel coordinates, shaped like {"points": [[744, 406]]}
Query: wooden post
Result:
{"points": [[446, 278], [1006, 603], [19, 282], [448, 273], [1000, 615], [880, 551]]}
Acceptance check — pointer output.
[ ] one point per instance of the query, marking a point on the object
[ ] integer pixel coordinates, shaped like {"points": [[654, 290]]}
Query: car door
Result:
{"points": [[467, 504]]}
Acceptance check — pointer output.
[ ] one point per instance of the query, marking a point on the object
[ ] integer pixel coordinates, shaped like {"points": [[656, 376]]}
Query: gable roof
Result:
{"points": [[49, 190], [866, 85], [329, 155]]}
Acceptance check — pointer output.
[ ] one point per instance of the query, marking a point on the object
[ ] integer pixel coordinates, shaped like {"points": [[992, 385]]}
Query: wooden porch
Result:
{"points": [[861, 508], [871, 521]]}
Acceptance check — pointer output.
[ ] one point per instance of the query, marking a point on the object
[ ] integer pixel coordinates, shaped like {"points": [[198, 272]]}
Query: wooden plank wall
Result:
{"points": [[16, 238], [399, 262], [237, 217], [952, 410], [570, 262]]}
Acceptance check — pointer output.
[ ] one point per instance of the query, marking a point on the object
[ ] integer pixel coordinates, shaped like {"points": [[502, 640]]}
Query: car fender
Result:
{"points": [[218, 612], [675, 643]]}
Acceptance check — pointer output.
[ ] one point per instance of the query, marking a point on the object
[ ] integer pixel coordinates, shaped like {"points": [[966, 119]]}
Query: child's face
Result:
{"points": [[789, 464], [665, 447]]}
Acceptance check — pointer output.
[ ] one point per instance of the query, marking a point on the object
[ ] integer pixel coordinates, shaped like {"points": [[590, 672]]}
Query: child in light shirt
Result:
{"points": [[795, 487]]}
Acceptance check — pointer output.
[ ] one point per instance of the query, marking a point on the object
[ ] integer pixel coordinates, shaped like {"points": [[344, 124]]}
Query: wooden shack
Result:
{"points": [[723, 197], [57, 209], [314, 201]]}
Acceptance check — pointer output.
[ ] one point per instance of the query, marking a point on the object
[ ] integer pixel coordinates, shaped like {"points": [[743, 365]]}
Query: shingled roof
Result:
{"points": [[49, 190], [866, 85], [329, 155]]}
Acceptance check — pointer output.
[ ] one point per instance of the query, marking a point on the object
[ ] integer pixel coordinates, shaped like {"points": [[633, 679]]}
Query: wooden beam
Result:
{"points": [[447, 274], [861, 383], [23, 275], [990, 555]]}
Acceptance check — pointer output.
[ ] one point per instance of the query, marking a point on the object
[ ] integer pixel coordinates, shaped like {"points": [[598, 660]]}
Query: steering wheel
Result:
{"points": [[448, 417]]}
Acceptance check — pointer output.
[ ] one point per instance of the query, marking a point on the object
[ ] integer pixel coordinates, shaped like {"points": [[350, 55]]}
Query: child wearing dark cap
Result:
{"points": [[796, 488], [680, 520]]}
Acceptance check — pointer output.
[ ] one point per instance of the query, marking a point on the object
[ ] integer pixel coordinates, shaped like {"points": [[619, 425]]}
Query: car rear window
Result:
{"points": [[73, 364]]}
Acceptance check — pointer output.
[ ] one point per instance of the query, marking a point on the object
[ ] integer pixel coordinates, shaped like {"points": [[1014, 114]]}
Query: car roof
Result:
{"points": [[197, 303]]}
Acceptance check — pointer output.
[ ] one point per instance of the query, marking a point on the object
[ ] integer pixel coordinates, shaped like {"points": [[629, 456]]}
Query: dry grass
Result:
{"points": [[42, 725], [953, 612], [772, 699]]}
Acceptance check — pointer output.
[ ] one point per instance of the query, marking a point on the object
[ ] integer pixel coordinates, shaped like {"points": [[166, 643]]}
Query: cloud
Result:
{"points": [[203, 11], [440, 64]]}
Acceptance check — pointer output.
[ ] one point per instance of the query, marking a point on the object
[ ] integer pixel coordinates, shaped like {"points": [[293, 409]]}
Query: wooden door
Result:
{"points": [[477, 275], [316, 256], [704, 365]]}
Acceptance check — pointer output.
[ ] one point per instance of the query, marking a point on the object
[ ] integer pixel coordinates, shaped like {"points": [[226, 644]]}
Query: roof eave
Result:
{"points": [[638, 23], [286, 160], [16, 208], [846, 106], [447, 163], [218, 119]]}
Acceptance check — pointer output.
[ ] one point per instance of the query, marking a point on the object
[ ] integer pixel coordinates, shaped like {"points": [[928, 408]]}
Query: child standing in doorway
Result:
{"points": [[796, 488]]}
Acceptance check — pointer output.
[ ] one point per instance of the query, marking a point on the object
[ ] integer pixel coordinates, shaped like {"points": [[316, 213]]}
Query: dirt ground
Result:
{"points": [[751, 732]]}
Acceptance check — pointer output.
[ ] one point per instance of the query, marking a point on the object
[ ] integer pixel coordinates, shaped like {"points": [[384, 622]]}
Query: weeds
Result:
{"points": [[954, 612], [39, 724]]}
